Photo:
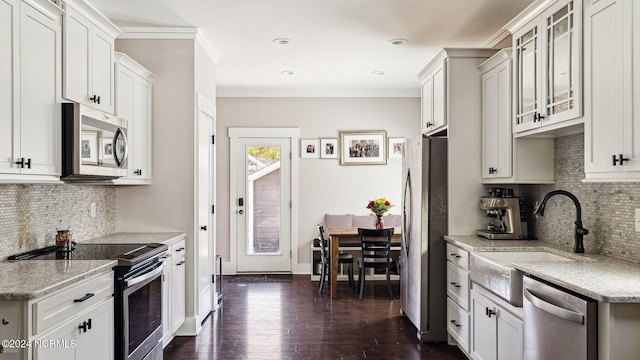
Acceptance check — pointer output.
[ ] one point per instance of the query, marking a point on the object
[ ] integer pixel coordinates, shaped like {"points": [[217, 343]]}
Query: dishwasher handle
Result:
{"points": [[553, 308]]}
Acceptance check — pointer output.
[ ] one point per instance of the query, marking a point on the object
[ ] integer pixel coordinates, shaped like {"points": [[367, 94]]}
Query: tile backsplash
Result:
{"points": [[31, 214], [608, 209]]}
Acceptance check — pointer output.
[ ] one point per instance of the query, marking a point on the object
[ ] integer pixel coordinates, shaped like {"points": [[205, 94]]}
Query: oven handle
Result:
{"points": [[157, 270], [553, 308]]}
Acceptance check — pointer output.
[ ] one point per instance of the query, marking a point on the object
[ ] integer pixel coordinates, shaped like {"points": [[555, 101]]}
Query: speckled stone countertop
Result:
{"points": [[596, 276], [30, 279], [137, 238]]}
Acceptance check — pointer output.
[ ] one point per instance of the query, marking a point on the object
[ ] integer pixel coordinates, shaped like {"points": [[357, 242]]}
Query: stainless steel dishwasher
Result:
{"points": [[558, 324]]}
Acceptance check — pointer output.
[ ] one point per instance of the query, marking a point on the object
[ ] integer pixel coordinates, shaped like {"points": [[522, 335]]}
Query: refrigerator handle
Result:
{"points": [[406, 221], [553, 308]]}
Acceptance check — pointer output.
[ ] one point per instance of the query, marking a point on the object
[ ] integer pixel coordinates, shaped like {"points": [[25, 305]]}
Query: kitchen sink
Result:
{"points": [[493, 271]]}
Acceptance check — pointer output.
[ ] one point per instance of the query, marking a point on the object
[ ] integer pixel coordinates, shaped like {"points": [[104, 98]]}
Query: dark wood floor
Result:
{"points": [[293, 321]]}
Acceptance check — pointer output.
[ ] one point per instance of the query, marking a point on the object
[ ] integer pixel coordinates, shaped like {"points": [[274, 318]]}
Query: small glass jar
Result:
{"points": [[64, 242]]}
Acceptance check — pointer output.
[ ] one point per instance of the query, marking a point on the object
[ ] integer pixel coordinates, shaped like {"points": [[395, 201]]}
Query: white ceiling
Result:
{"points": [[335, 44]]}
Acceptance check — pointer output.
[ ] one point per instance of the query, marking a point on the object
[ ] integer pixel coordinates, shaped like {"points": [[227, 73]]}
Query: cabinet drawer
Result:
{"points": [[458, 256], [458, 285], [458, 324], [70, 301], [177, 250]]}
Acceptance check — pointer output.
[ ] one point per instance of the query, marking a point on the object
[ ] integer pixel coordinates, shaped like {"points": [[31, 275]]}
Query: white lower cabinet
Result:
{"points": [[73, 323], [496, 333], [89, 335], [458, 297], [173, 292]]}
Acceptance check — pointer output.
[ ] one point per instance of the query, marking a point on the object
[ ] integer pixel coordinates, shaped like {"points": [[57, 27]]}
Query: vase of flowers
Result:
{"points": [[379, 207]]}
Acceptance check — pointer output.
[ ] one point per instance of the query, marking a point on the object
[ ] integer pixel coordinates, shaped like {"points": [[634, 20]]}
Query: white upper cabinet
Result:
{"points": [[547, 52], [133, 103], [612, 90], [444, 81], [506, 159], [88, 56], [30, 32], [434, 117]]}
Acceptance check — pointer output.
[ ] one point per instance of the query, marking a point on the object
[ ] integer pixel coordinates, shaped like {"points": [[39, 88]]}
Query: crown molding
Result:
{"points": [[169, 33]]}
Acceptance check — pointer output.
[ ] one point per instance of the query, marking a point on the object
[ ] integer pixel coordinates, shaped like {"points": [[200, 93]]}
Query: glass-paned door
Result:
{"points": [[527, 96], [559, 62], [263, 205]]}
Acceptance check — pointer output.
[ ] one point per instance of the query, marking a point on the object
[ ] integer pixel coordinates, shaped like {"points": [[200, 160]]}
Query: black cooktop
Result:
{"points": [[126, 254]]}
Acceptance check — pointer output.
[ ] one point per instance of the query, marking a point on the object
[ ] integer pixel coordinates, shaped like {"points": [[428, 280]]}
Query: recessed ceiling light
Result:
{"points": [[286, 72], [282, 41], [378, 72], [398, 41]]}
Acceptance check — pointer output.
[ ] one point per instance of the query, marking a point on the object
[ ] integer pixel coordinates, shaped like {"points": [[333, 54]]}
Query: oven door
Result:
{"points": [[142, 312]]}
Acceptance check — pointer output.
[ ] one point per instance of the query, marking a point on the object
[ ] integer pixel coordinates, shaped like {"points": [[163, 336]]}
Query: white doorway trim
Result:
{"points": [[293, 134]]}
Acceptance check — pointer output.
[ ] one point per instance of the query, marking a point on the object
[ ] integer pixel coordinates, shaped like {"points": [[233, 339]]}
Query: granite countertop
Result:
{"points": [[599, 277], [30, 279]]}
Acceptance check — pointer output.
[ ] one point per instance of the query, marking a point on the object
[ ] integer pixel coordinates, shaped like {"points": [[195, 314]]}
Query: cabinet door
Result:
{"points": [[77, 61], [177, 294], [40, 44], [102, 71], [607, 108], [632, 128], [9, 108], [562, 54], [72, 342], [526, 45], [427, 104], [510, 336], [141, 127], [98, 342], [496, 122], [439, 97], [483, 328]]}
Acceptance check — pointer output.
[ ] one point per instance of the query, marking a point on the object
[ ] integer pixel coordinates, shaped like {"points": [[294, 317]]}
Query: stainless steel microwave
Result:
{"points": [[94, 144]]}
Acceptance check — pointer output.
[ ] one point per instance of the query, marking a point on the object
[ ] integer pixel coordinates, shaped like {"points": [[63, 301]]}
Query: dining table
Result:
{"points": [[347, 236]]}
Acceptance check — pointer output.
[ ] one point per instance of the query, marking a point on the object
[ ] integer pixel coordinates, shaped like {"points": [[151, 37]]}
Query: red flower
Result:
{"points": [[370, 206], [387, 203]]}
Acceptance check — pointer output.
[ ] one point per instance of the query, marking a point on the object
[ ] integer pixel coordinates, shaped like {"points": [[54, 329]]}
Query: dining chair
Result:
{"points": [[326, 261], [376, 248]]}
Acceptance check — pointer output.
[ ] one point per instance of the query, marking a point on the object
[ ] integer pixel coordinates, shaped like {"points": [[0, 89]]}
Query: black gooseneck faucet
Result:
{"points": [[578, 247]]}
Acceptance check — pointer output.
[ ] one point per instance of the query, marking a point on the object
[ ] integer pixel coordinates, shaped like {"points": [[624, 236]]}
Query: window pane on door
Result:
{"points": [[264, 207]]}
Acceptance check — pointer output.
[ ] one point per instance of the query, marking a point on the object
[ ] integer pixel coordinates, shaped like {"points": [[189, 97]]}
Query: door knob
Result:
{"points": [[240, 212], [204, 228]]}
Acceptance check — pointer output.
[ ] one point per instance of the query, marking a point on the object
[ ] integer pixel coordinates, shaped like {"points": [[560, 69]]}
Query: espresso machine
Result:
{"points": [[505, 213]]}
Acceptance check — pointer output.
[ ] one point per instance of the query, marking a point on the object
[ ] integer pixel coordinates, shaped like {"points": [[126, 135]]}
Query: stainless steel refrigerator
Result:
{"points": [[424, 220]]}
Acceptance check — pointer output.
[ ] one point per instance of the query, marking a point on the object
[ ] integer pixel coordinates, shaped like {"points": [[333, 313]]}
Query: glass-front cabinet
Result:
{"points": [[547, 71]]}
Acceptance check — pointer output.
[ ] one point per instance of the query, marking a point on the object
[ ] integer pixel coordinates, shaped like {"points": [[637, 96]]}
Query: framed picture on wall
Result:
{"points": [[363, 147], [395, 148], [310, 148], [329, 148]]}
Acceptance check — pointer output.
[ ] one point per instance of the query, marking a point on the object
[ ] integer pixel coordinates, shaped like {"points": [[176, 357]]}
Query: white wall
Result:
{"points": [[325, 186]]}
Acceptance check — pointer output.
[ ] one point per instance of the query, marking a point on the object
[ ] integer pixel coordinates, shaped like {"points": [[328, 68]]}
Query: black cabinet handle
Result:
{"points": [[89, 295], [492, 170], [455, 323], [454, 284], [180, 263], [138, 172], [84, 326], [537, 117], [429, 124], [455, 255], [95, 99], [22, 163], [203, 228], [182, 248], [489, 312]]}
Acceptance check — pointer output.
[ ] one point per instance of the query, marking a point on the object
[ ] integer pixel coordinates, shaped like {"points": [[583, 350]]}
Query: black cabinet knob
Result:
{"points": [[492, 170], [203, 228], [95, 99]]}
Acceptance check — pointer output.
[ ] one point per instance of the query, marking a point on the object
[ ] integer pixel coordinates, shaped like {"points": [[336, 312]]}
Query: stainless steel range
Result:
{"points": [[138, 292]]}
